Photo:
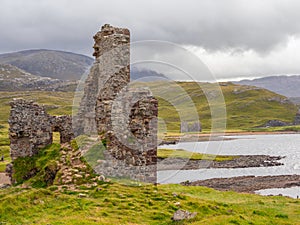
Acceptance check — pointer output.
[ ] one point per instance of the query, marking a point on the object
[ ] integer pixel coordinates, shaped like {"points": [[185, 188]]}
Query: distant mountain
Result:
{"points": [[15, 79], [49, 63], [288, 86]]}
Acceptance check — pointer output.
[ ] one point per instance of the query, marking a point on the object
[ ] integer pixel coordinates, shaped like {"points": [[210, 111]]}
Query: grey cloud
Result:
{"points": [[212, 24], [240, 38]]}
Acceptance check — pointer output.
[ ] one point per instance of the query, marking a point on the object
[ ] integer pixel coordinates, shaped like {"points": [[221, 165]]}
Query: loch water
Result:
{"points": [[287, 145]]}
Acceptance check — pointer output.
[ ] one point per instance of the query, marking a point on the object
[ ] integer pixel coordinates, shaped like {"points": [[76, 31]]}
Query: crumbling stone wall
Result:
{"points": [[63, 125], [126, 118], [31, 128], [109, 74]]}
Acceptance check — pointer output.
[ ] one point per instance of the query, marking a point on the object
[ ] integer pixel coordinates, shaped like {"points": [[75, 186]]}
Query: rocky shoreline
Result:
{"points": [[248, 184], [240, 161]]}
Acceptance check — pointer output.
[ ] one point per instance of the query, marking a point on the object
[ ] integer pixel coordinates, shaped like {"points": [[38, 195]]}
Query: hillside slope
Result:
{"points": [[49, 63], [15, 79], [283, 85], [246, 106]]}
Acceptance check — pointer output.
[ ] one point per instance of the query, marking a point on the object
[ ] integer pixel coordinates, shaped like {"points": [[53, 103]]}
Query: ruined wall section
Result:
{"points": [[111, 69], [84, 122], [297, 118], [132, 136], [106, 98], [31, 128], [125, 118], [63, 125]]}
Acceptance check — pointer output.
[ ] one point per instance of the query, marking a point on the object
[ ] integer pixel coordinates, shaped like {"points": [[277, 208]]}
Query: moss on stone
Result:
{"points": [[40, 170]]}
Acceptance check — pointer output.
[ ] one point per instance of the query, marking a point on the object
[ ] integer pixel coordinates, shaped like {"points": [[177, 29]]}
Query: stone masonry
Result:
{"points": [[125, 117], [31, 128]]}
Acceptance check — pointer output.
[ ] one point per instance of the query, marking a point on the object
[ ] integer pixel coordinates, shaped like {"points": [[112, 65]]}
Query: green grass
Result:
{"points": [[113, 203], [180, 153], [295, 128], [246, 107], [56, 103], [94, 154], [38, 169], [4, 146]]}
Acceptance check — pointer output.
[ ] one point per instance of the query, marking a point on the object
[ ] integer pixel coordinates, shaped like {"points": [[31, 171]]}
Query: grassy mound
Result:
{"points": [[54, 164], [112, 203], [39, 170]]}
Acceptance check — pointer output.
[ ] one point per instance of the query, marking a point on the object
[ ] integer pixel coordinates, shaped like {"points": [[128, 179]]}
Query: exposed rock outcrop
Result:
{"points": [[240, 161], [248, 183], [276, 123], [183, 215]]}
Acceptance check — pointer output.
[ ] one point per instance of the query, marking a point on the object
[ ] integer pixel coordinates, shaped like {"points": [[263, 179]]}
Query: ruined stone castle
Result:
{"points": [[31, 128], [123, 117]]}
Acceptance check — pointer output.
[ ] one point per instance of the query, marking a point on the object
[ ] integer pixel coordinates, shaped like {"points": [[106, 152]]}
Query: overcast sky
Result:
{"points": [[234, 38]]}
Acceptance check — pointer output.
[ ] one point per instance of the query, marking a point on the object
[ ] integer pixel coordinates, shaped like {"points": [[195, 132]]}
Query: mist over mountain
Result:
{"points": [[49, 63], [288, 86]]}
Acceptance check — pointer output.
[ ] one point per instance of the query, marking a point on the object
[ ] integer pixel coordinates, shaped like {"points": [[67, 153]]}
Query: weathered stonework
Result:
{"points": [[125, 117], [31, 128], [109, 74]]}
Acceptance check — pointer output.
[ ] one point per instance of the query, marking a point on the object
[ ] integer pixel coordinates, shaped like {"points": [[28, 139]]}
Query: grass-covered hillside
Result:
{"points": [[111, 202], [114, 203], [246, 107]]}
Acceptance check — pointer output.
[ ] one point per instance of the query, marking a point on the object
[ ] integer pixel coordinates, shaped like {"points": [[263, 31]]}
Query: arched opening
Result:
{"points": [[56, 137]]}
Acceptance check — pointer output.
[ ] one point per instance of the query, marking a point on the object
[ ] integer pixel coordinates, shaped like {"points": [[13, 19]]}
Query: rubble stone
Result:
{"points": [[183, 215]]}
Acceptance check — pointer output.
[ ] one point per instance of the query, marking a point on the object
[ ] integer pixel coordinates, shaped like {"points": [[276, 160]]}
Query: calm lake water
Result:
{"points": [[277, 145]]}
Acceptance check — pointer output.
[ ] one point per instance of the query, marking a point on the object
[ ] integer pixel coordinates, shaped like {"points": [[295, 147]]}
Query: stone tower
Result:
{"points": [[124, 117]]}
